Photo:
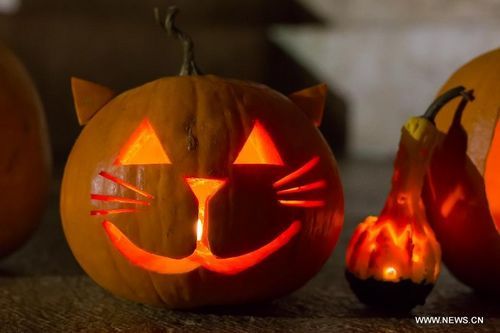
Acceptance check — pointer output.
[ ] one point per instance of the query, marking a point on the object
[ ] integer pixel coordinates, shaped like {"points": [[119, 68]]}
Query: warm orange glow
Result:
{"points": [[123, 183], [199, 230], [297, 173], [399, 244], [492, 176], [259, 148], [113, 211], [201, 256], [144, 259], [204, 189], [390, 274], [110, 198], [235, 265], [143, 147], [302, 203], [304, 188], [389, 251], [451, 200]]}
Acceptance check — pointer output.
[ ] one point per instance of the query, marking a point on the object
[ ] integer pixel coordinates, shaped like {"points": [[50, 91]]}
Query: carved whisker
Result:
{"points": [[304, 188], [297, 173], [123, 183], [113, 211], [303, 203], [110, 198]]}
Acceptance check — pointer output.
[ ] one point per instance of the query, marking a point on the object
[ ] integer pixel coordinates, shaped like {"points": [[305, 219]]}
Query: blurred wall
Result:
{"points": [[118, 44], [388, 58]]}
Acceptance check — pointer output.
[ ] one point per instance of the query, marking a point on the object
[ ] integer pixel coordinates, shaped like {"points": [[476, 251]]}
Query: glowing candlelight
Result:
{"points": [[199, 230]]}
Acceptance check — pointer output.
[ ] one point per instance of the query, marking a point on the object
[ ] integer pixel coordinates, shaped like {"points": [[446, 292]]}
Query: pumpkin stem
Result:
{"points": [[168, 24], [441, 101]]}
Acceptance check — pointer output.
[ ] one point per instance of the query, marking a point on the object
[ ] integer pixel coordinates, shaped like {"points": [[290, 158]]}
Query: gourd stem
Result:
{"points": [[441, 101], [168, 24]]}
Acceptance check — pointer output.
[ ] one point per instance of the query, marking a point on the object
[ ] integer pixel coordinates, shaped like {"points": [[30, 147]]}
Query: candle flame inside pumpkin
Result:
{"points": [[199, 230], [144, 147], [203, 189]]}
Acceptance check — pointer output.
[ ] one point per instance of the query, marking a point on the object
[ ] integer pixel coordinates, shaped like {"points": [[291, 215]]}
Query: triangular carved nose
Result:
{"points": [[204, 188]]}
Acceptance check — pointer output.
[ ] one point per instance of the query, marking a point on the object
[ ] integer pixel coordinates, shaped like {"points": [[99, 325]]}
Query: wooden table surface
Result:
{"points": [[42, 288]]}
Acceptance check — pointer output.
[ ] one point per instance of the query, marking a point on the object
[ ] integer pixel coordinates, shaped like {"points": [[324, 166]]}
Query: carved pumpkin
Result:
{"points": [[393, 260], [462, 192], [197, 190], [24, 147]]}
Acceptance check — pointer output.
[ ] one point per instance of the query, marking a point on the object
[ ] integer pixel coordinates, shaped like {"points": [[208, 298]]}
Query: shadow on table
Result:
{"points": [[7, 273], [346, 305]]}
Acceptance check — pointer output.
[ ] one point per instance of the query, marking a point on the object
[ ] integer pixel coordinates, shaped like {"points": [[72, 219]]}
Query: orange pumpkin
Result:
{"points": [[462, 192], [197, 190], [24, 147]]}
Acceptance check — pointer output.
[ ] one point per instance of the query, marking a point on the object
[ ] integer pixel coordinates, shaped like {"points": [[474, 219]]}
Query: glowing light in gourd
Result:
{"points": [[399, 244]]}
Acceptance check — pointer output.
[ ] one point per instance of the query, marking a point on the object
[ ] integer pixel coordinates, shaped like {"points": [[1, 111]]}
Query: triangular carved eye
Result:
{"points": [[143, 147], [259, 148]]}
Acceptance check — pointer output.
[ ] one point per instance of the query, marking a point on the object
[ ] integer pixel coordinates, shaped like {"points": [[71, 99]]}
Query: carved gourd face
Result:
{"points": [[203, 183]]}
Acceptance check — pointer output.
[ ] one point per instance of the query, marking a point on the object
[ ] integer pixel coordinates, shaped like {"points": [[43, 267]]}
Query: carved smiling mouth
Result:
{"points": [[145, 148], [202, 256], [204, 189]]}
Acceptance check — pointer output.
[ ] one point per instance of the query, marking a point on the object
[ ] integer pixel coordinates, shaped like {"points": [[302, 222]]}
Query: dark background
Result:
{"points": [[118, 44]]}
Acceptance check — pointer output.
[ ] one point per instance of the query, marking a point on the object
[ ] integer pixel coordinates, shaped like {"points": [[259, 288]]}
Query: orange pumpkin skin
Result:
{"points": [[461, 194], [24, 147], [202, 123]]}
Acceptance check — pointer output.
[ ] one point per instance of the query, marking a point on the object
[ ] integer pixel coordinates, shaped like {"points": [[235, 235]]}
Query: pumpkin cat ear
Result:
{"points": [[89, 98], [311, 101]]}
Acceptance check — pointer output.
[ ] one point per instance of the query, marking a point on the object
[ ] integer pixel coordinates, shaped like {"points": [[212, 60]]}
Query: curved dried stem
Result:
{"points": [[443, 99], [168, 24]]}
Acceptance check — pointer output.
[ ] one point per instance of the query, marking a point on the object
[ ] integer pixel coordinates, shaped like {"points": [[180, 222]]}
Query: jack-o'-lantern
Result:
{"points": [[24, 147], [462, 192], [197, 190], [394, 259]]}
